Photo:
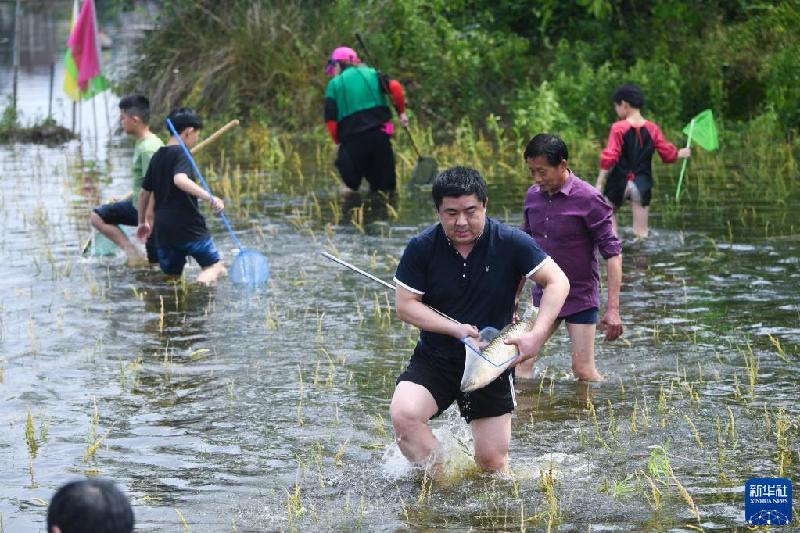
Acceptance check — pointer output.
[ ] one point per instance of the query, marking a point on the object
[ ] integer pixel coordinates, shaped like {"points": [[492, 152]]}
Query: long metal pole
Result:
{"points": [[50, 97], [379, 280], [16, 53]]}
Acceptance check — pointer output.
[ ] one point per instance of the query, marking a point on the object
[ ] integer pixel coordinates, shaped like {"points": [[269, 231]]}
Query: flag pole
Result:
{"points": [[683, 166], [108, 118], [94, 119], [15, 53], [50, 95]]}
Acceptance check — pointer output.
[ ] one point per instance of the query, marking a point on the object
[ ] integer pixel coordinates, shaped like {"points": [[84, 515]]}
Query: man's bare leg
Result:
{"points": [[491, 436], [582, 338], [412, 407]]}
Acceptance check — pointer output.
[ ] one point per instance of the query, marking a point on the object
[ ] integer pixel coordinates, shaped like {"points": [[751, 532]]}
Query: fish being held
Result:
{"points": [[483, 365]]}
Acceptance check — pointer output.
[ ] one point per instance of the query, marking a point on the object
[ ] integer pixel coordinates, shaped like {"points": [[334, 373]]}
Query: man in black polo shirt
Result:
{"points": [[468, 267]]}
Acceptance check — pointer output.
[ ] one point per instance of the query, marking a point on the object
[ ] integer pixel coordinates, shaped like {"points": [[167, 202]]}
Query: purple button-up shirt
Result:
{"points": [[570, 226]]}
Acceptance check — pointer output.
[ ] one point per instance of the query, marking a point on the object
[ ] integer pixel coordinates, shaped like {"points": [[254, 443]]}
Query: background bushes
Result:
{"points": [[535, 65]]}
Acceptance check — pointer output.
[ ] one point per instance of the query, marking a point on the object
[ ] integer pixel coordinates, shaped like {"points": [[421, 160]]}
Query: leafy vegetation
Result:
{"points": [[264, 59]]}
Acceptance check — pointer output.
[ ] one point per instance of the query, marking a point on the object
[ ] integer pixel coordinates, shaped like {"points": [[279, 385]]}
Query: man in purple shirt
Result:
{"points": [[570, 220]]}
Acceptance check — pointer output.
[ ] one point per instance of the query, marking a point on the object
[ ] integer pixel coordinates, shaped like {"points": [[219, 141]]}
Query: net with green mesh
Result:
{"points": [[704, 132]]}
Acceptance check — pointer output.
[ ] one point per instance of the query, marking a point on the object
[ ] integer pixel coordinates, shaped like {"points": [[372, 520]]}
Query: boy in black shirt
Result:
{"points": [[180, 229]]}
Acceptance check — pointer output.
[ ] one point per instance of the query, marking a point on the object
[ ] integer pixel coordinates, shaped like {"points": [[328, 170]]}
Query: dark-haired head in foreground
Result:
{"points": [[89, 506], [459, 181], [460, 196]]}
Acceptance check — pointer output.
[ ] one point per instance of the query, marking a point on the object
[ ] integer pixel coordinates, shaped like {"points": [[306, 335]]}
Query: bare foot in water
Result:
{"points": [[136, 260]]}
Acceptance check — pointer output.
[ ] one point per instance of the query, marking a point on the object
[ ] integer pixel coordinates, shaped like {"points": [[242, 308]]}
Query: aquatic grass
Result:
{"points": [[658, 465], [338, 457], [379, 425], [161, 314], [618, 488], [785, 428], [300, 394], [655, 495], [294, 507], [612, 423], [547, 484], [271, 317], [231, 386], [93, 440], [685, 495], [185, 524], [751, 364], [730, 427], [30, 437], [694, 431], [776, 343]]}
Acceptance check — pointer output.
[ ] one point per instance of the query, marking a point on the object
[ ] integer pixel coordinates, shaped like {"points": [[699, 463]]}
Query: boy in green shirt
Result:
{"points": [[135, 117]]}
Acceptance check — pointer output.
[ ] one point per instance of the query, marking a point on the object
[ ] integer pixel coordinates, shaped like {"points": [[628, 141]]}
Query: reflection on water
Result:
{"points": [[269, 409]]}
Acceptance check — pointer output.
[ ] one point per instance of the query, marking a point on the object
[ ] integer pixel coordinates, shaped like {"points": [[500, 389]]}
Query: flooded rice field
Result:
{"points": [[220, 409]]}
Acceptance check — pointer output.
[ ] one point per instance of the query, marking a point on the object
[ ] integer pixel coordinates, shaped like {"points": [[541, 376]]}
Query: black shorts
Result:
{"points": [[125, 213], [367, 155], [495, 399]]}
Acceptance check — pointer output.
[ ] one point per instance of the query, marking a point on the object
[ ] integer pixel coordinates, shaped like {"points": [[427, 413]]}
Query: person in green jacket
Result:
{"points": [[359, 120], [134, 115]]}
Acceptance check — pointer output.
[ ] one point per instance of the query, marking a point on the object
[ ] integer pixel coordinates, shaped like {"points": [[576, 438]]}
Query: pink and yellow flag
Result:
{"points": [[82, 75]]}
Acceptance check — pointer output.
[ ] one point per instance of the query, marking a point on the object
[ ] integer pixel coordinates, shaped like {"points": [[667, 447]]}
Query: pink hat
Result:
{"points": [[342, 54]]}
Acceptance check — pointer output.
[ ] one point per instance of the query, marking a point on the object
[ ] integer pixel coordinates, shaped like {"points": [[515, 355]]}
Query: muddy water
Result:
{"points": [[268, 410]]}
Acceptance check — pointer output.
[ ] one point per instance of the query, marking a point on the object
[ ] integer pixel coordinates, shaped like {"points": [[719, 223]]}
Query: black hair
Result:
{"points": [[185, 117], [136, 105], [631, 93], [459, 181], [90, 506], [549, 145]]}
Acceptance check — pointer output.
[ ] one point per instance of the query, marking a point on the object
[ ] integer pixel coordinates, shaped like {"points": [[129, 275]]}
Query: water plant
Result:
{"points": [[685, 495], [93, 439], [30, 437], [694, 431], [185, 524], [618, 487], [294, 507], [547, 483]]}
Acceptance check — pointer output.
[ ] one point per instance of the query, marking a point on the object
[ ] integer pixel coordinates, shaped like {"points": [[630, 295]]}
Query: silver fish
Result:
{"points": [[482, 366]]}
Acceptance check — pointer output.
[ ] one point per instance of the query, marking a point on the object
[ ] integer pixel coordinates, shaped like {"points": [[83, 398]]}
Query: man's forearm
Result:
{"points": [[553, 297], [144, 200], [423, 317], [614, 270]]}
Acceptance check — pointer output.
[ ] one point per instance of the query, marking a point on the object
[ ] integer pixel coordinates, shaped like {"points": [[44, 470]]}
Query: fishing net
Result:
{"points": [[250, 268], [424, 172], [98, 245], [489, 356], [481, 364]]}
